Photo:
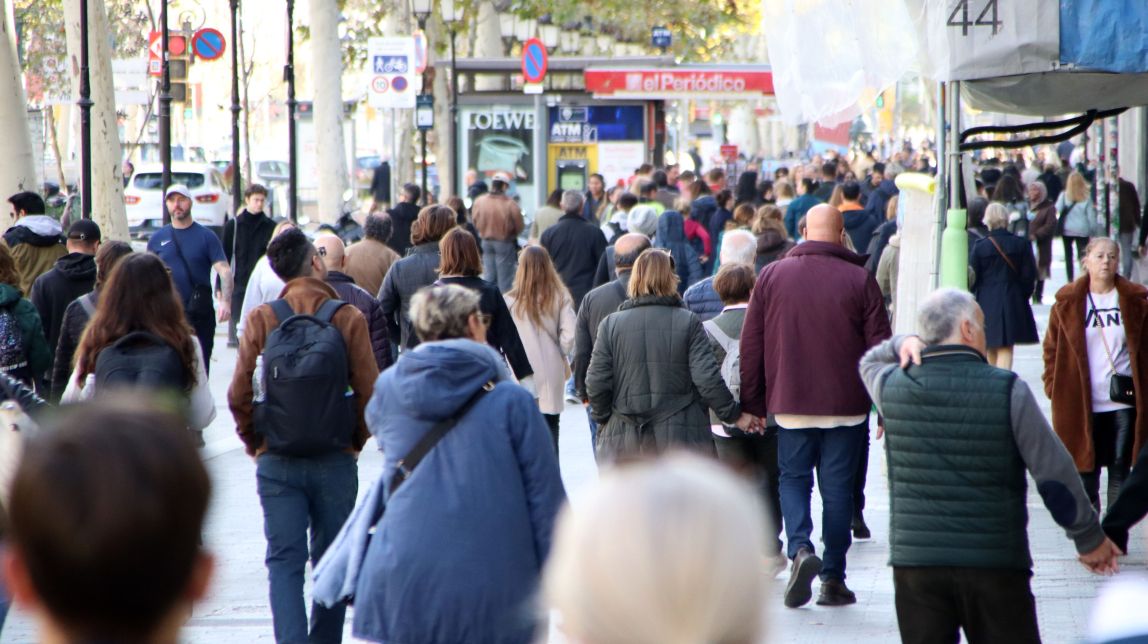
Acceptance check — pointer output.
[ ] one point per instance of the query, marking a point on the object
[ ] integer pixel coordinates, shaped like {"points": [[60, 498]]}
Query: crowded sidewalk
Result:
{"points": [[237, 607]]}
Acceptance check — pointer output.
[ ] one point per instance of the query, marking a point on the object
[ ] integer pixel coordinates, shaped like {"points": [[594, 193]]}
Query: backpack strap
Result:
{"points": [[722, 337], [327, 312], [88, 305], [282, 310], [407, 464]]}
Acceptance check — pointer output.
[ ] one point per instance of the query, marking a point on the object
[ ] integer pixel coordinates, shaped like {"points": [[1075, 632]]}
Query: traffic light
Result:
{"points": [[177, 66], [881, 101]]}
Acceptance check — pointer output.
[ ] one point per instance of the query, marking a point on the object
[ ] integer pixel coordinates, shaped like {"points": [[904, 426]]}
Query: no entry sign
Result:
{"points": [[208, 44], [535, 61]]}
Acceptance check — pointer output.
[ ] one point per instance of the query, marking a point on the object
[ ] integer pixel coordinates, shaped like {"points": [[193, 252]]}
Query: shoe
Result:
{"points": [[835, 593], [805, 567], [775, 565], [860, 530], [572, 398]]}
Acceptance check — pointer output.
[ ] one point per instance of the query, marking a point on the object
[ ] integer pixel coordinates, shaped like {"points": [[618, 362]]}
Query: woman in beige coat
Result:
{"points": [[543, 311]]}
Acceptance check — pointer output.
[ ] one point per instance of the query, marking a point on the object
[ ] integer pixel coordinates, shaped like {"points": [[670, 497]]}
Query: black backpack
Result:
{"points": [[308, 407], [140, 360]]}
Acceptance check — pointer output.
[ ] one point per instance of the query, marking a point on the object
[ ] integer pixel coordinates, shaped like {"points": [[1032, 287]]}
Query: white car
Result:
{"points": [[143, 197]]}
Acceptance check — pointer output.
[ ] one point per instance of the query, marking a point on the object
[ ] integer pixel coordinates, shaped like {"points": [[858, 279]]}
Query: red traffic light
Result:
{"points": [[176, 45]]}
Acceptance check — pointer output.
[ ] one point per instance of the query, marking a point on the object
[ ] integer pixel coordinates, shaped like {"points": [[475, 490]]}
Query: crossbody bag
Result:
{"points": [[1121, 389], [200, 303], [1003, 255]]}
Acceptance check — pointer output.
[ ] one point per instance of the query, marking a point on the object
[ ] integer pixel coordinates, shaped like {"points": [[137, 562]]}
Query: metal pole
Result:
{"points": [[292, 156], [236, 182], [85, 104], [454, 166], [165, 109], [422, 132]]}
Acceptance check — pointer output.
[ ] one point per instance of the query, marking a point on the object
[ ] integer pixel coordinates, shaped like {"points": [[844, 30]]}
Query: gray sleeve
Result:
{"points": [[877, 364], [1053, 470]]}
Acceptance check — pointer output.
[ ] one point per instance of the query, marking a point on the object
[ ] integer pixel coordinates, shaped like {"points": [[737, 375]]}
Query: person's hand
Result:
{"points": [[910, 351], [224, 311], [749, 423], [1102, 560], [880, 431]]}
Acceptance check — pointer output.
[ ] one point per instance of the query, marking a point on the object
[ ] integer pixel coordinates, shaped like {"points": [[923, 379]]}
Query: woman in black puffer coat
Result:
{"points": [[653, 375]]}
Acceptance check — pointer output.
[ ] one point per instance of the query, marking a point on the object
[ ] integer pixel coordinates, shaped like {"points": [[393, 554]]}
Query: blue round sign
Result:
{"points": [[535, 60], [208, 44]]}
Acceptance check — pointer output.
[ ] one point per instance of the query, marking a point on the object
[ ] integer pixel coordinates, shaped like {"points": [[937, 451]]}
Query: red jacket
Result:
{"points": [[695, 230], [811, 317]]}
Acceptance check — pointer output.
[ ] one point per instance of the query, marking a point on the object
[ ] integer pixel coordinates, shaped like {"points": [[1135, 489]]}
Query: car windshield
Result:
{"points": [[369, 163], [154, 180]]}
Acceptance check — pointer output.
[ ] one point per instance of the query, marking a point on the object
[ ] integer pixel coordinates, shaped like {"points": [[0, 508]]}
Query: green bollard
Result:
{"points": [[955, 251]]}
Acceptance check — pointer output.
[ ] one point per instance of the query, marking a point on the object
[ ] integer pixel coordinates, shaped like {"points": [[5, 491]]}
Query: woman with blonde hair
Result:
{"points": [[629, 568], [652, 374], [543, 312], [1077, 219]]}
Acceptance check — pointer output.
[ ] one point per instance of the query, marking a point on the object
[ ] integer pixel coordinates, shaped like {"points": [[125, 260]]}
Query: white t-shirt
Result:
{"points": [[1105, 317]]}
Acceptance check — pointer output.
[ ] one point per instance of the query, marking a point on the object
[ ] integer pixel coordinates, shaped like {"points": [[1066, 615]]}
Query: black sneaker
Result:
{"points": [[860, 530], [805, 567], [835, 593]]}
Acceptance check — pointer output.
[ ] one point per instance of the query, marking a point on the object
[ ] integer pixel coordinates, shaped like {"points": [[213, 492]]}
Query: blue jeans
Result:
{"points": [[499, 262], [297, 493], [836, 451]]}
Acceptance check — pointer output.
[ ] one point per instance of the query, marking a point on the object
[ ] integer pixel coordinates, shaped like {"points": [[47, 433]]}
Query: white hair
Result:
{"points": [[572, 201], [665, 552], [996, 216], [738, 247], [940, 315]]}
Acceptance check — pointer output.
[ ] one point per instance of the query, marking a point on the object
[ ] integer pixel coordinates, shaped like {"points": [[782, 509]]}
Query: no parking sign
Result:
{"points": [[391, 61]]}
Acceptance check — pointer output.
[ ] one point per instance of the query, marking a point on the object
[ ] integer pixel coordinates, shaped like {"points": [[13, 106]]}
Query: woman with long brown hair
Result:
{"points": [[24, 352], [543, 312], [652, 374], [141, 298], [461, 264], [416, 270]]}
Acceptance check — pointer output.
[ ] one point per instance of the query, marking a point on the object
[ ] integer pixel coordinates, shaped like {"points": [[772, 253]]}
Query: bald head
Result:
{"points": [[627, 249], [824, 223], [331, 251]]}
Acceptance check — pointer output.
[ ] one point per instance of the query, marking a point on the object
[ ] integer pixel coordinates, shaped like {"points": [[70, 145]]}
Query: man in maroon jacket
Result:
{"points": [[810, 319]]}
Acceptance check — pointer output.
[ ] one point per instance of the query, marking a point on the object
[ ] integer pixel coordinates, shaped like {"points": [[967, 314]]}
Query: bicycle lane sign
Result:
{"points": [[391, 61]]}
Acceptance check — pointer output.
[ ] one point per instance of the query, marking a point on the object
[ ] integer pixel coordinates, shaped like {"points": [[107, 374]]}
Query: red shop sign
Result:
{"points": [[681, 82]]}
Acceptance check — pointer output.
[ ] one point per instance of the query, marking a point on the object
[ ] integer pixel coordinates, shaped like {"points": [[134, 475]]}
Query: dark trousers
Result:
{"points": [[233, 323], [989, 605], [204, 327], [1069, 242], [755, 457], [833, 452], [1131, 505], [552, 421], [862, 475], [296, 494], [1113, 433]]}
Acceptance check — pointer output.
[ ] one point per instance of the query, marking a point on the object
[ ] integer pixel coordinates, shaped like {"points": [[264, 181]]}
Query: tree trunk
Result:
{"points": [[402, 121], [487, 44], [245, 67], [107, 196], [443, 148], [54, 139], [328, 77], [17, 168]]}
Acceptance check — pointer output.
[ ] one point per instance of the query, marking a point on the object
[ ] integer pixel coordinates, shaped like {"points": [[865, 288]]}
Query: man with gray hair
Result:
{"points": [[575, 245], [738, 247], [959, 435]]}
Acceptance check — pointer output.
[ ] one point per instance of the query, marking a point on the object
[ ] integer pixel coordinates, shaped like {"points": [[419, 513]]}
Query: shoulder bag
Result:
{"points": [[1065, 208], [200, 304], [1121, 389], [1005, 257]]}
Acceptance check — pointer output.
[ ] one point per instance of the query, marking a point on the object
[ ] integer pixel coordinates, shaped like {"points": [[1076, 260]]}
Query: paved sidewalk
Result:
{"points": [[237, 607]]}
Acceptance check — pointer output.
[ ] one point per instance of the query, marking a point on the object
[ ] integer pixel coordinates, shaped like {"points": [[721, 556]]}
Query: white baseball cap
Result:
{"points": [[177, 189]]}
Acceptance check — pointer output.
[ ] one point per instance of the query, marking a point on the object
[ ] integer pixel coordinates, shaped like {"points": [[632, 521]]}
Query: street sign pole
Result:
{"points": [[85, 104], [236, 178], [165, 111], [292, 154]]}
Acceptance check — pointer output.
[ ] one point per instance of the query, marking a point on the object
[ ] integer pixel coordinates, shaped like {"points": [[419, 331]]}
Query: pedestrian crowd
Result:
{"points": [[740, 326]]}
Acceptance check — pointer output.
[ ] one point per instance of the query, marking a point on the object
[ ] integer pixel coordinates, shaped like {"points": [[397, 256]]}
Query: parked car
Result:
{"points": [[143, 196], [365, 170]]}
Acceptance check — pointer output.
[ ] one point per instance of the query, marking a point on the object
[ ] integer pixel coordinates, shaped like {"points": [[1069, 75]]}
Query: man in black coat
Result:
{"points": [[402, 216], [575, 245], [243, 250], [73, 275], [600, 303]]}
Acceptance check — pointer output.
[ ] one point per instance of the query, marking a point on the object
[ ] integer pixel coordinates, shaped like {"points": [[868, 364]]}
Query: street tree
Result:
{"points": [[328, 100], [16, 168]]}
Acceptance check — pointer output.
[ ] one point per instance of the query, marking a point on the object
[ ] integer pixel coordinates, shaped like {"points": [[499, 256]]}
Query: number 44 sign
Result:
{"points": [[970, 39]]}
